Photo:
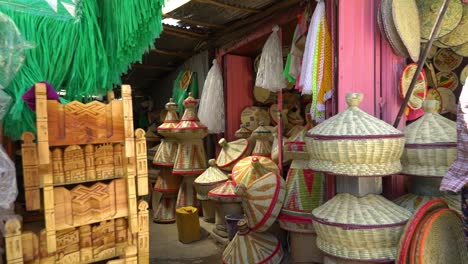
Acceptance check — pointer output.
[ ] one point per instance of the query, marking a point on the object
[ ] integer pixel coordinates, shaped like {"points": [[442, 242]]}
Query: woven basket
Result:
{"points": [[305, 191], [166, 153], [225, 193], [167, 182], [262, 200], [231, 152], [190, 158], [406, 18], [190, 126], [252, 247], [294, 146], [263, 144], [412, 201], [243, 132], [165, 213], [208, 180], [251, 168], [170, 121], [354, 143], [366, 228], [431, 144]]}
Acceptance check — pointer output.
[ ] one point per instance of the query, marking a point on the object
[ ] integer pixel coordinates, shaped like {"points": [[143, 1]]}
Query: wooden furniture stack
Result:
{"points": [[85, 171]]}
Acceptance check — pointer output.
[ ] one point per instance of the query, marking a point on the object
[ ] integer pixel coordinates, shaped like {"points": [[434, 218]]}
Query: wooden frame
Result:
{"points": [[95, 146]]}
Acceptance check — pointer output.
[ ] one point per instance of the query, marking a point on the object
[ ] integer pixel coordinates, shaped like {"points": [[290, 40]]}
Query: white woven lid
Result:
{"points": [[353, 122], [370, 210], [211, 175], [431, 127]]}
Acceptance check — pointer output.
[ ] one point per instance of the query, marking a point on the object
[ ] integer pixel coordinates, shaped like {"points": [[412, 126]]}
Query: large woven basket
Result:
{"points": [[431, 144], [231, 152], [190, 158], [366, 228], [354, 143], [305, 191], [190, 126], [167, 182], [165, 213], [208, 180], [166, 153], [251, 168], [252, 247], [295, 146], [262, 200]]}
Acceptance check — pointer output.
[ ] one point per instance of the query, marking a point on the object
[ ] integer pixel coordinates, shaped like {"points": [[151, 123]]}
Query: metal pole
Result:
{"points": [[434, 32]]}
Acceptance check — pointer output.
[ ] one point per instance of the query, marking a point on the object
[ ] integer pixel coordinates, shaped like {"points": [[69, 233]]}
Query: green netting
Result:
{"points": [[83, 57]]}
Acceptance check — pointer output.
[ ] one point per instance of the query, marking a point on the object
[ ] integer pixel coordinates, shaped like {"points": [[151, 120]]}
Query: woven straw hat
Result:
{"points": [[225, 193], [428, 12], [208, 180], [366, 228], [190, 126], [262, 200], [458, 36], [231, 152], [251, 168], [170, 121], [406, 19], [431, 144], [354, 143], [305, 191], [390, 30], [167, 182], [252, 247]]}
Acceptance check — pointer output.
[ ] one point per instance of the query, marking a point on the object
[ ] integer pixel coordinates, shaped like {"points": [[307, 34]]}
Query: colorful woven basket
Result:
{"points": [[190, 126], [187, 195], [251, 168], [225, 193], [170, 121], [262, 200], [366, 228], [243, 132], [295, 146], [354, 143], [263, 138], [167, 182], [431, 144], [428, 12], [412, 201], [166, 153], [305, 191], [208, 180], [165, 213], [252, 247], [231, 152]]}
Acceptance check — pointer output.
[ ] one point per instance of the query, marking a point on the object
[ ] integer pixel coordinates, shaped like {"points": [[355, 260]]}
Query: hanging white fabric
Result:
{"points": [[211, 109], [270, 68]]}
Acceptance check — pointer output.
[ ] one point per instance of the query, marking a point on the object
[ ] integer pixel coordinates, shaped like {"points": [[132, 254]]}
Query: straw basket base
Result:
{"points": [[359, 186], [304, 248], [360, 170], [376, 255], [331, 260], [209, 209], [165, 213]]}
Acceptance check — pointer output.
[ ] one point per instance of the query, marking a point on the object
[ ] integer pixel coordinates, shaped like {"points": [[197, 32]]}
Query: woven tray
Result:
{"points": [[252, 116], [458, 36], [447, 80], [449, 101], [461, 50], [428, 12], [390, 30], [447, 60], [251, 168], [354, 143], [406, 19], [366, 228], [433, 94], [431, 144]]}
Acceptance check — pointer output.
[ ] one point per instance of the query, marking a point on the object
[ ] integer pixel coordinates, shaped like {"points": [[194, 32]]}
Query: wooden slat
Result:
{"points": [[153, 67], [226, 6], [179, 54], [194, 22], [184, 32]]}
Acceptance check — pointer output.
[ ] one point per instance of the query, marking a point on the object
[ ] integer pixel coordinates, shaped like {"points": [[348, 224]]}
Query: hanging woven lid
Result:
{"points": [[389, 29], [171, 119], [340, 145], [420, 88], [189, 125], [167, 182], [252, 247], [208, 180], [166, 153], [406, 19], [231, 152], [251, 168], [262, 200], [225, 193], [243, 132], [447, 80], [458, 36], [429, 11], [252, 116], [446, 60], [370, 210]]}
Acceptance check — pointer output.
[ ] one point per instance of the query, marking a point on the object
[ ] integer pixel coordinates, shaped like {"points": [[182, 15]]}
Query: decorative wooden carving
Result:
{"points": [[104, 240], [30, 172], [74, 164], [143, 232], [68, 246], [57, 166], [141, 162], [86, 243], [13, 242], [30, 243]]}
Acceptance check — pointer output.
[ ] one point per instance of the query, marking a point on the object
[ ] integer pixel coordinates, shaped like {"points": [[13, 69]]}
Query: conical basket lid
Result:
{"points": [[431, 128], [262, 133], [225, 192], [370, 210], [212, 175], [251, 168], [166, 153], [252, 247], [243, 132], [189, 123], [232, 151], [354, 123], [171, 120], [262, 200]]}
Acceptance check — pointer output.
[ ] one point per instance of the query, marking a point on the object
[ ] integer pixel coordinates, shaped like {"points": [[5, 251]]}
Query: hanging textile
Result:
{"points": [[185, 83], [293, 62], [270, 68], [211, 109], [61, 10]]}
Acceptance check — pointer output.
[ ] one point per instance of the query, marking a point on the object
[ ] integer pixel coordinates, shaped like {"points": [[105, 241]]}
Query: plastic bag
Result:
{"points": [[8, 187], [58, 9], [5, 102], [12, 50]]}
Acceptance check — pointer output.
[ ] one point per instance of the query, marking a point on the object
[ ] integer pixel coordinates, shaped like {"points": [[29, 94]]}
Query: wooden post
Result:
{"points": [[143, 232], [13, 243], [141, 162], [30, 172]]}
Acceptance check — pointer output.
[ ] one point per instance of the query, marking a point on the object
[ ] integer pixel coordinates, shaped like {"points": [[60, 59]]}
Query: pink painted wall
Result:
{"points": [[367, 64]]}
